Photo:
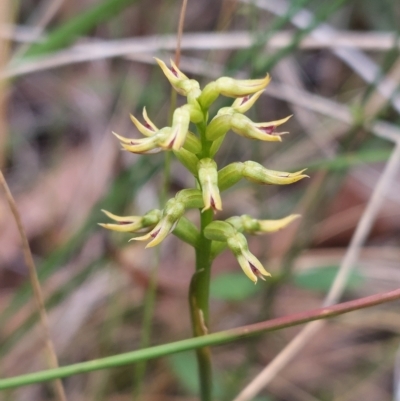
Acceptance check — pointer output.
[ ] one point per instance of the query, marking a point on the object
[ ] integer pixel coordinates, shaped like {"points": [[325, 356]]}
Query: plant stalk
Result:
{"points": [[199, 290], [199, 308]]}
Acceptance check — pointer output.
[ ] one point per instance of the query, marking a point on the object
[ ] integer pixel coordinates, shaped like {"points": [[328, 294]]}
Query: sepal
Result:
{"points": [[208, 178], [180, 82], [132, 224]]}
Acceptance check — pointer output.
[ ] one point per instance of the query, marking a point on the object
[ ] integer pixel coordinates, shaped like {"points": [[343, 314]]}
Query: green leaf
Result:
{"points": [[184, 366], [232, 287], [321, 278], [345, 161], [78, 26]]}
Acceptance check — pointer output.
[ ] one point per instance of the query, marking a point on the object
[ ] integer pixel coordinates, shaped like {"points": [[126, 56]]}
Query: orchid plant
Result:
{"points": [[197, 153]]}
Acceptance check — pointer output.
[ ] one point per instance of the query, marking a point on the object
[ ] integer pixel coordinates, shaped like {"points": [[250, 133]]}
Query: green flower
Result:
{"points": [[180, 82], [172, 212], [243, 126], [251, 266], [132, 224], [249, 225], [230, 87], [223, 231]]}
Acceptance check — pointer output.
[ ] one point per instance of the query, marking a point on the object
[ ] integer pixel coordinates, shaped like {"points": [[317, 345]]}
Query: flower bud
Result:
{"points": [[231, 87], [230, 175], [216, 145], [218, 126], [257, 173], [188, 159], [187, 231], [191, 198], [131, 224], [195, 112], [208, 178], [251, 266], [180, 82], [192, 143], [219, 231], [249, 225]]}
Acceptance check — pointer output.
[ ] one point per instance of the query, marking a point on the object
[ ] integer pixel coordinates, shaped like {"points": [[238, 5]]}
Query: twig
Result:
{"points": [[85, 52], [180, 33], [221, 337], [51, 354]]}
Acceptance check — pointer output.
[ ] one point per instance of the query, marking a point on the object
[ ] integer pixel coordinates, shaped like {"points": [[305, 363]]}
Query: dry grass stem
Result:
{"points": [[180, 32], [85, 52], [51, 354]]}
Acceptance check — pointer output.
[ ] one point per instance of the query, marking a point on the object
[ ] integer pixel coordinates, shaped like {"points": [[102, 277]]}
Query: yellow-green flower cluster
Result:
{"points": [[196, 153]]}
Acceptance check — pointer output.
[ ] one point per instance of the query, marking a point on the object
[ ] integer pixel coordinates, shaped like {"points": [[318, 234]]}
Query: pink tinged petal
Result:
{"points": [[257, 272], [247, 270], [147, 129], [160, 233], [148, 123], [241, 105], [176, 71]]}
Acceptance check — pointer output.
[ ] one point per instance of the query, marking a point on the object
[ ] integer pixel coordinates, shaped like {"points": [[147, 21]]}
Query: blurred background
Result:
{"points": [[72, 71]]}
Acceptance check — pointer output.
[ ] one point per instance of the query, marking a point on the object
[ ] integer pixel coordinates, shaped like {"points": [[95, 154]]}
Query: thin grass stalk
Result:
{"points": [[222, 337], [51, 354]]}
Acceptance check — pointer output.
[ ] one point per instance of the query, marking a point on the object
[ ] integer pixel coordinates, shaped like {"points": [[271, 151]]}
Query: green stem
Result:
{"points": [[200, 289], [199, 308], [147, 321]]}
